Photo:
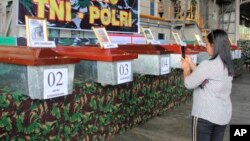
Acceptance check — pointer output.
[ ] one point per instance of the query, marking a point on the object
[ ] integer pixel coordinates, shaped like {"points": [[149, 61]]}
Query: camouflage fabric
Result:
{"points": [[245, 47], [238, 66], [239, 63], [92, 112]]}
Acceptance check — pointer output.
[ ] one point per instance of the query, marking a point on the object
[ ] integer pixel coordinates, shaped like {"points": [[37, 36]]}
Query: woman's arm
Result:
{"points": [[186, 67], [192, 65], [197, 77], [186, 72]]}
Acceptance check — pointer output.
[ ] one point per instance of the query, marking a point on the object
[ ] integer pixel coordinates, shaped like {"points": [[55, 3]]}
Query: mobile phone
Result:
{"points": [[183, 51]]}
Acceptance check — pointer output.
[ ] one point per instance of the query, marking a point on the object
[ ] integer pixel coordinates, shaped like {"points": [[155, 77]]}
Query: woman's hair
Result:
{"points": [[221, 44]]}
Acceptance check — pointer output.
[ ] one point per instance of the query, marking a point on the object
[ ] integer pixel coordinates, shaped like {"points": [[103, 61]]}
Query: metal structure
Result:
{"points": [[5, 16], [228, 17]]}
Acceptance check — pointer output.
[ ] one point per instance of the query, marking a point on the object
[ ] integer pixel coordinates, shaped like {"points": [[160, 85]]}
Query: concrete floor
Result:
{"points": [[175, 125]]}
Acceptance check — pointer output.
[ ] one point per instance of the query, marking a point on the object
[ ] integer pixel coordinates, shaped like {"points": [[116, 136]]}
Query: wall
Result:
{"points": [[145, 7], [157, 27]]}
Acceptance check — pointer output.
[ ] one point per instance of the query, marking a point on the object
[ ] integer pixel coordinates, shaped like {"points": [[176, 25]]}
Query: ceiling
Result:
{"points": [[223, 1]]}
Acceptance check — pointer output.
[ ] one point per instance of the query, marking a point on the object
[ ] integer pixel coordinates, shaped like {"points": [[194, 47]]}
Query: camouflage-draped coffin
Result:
{"points": [[92, 112], [238, 66], [245, 47]]}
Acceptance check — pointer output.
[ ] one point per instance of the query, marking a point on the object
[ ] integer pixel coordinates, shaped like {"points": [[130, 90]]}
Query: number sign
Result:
{"points": [[237, 54], [124, 72], [165, 65], [55, 82]]}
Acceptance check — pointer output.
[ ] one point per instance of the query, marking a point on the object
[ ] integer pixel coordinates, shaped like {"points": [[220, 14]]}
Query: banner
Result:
{"points": [[114, 15]]}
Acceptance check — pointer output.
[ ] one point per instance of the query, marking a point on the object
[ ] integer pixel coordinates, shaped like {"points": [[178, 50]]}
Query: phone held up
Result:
{"points": [[183, 51]]}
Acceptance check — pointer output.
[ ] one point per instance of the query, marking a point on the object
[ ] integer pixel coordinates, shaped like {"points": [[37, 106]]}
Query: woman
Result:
{"points": [[212, 84]]}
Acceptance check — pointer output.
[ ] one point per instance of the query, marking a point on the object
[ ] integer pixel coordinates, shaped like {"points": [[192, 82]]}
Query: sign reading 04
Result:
{"points": [[114, 15]]}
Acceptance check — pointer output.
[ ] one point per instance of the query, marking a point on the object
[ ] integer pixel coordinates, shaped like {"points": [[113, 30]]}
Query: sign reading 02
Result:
{"points": [[55, 82]]}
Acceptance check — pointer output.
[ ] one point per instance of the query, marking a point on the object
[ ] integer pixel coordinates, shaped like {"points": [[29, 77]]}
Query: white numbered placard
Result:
{"points": [[233, 54], [40, 44], [110, 45], [124, 71], [55, 82], [238, 54], [154, 42], [194, 58], [165, 65]]}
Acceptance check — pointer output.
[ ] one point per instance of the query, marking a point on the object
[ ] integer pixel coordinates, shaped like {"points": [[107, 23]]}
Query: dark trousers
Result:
{"points": [[204, 130]]}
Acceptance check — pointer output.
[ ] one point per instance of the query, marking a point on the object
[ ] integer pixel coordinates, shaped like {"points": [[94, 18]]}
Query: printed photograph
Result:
{"points": [[36, 29]]}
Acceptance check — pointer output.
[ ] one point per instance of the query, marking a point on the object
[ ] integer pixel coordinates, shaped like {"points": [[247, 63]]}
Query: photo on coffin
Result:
{"points": [[177, 39], [149, 36], [103, 38], [36, 32], [180, 43], [36, 29], [199, 40]]}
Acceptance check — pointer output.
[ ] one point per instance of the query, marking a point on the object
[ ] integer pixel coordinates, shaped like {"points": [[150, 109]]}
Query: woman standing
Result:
{"points": [[212, 84]]}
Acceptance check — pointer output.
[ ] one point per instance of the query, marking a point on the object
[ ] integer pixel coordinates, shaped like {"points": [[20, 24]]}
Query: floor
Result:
{"points": [[175, 125]]}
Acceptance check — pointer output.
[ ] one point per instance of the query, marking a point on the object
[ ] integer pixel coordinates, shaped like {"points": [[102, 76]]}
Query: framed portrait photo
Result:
{"points": [[180, 43], [147, 34], [102, 36], [36, 30], [176, 38], [199, 40]]}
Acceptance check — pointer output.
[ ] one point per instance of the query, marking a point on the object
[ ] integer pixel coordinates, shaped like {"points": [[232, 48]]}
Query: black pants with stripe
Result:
{"points": [[204, 130]]}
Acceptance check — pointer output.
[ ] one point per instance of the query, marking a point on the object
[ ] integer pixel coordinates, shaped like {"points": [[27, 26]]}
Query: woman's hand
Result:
{"points": [[191, 64], [184, 64], [188, 58], [186, 67]]}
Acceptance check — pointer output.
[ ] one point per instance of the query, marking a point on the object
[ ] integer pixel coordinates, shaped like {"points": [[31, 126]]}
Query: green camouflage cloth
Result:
{"points": [[92, 112]]}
